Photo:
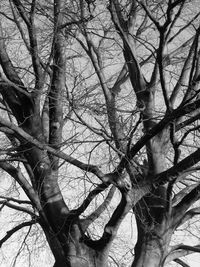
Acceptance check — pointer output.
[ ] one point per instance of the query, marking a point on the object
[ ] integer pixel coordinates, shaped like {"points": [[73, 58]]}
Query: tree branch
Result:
{"points": [[169, 117], [6, 63], [184, 204], [109, 178], [19, 177], [19, 201], [58, 84], [181, 250], [100, 188], [94, 215], [19, 208], [178, 170], [15, 229], [189, 215], [22, 11], [110, 229], [182, 263]]}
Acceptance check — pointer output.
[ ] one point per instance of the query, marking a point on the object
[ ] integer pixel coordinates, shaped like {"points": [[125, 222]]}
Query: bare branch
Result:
{"points": [[98, 211], [185, 204], [19, 177], [19, 201], [16, 229], [100, 188], [181, 262], [156, 23], [22, 11], [175, 114], [18, 208], [189, 215], [110, 230]]}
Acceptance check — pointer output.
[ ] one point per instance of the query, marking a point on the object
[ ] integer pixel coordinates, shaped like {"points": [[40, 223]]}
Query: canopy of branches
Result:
{"points": [[99, 120]]}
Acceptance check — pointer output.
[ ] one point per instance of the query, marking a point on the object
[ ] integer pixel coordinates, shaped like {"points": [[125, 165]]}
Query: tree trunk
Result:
{"points": [[80, 255], [153, 212], [150, 251], [149, 254], [74, 252], [152, 242]]}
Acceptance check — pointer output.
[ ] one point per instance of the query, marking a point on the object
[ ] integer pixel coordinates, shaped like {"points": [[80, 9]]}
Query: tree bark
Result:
{"points": [[148, 254], [152, 244]]}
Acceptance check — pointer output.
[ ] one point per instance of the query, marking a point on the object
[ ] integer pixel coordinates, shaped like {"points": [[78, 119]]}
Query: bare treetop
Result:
{"points": [[100, 119]]}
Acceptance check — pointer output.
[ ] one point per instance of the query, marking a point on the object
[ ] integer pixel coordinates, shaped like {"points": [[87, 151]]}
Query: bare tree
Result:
{"points": [[102, 96]]}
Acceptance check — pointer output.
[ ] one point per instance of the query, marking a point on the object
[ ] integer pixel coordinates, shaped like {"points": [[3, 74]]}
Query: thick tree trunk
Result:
{"points": [[149, 252], [80, 261], [153, 212], [148, 255], [151, 249], [69, 249], [80, 255], [154, 230]]}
